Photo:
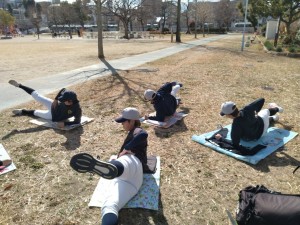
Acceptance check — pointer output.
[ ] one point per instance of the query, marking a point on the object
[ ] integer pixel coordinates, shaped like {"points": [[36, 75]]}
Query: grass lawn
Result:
{"points": [[197, 184]]}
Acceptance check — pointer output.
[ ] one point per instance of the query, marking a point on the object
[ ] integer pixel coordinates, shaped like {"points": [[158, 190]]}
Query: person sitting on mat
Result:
{"points": [[164, 100], [125, 172], [5, 163], [64, 106], [250, 123]]}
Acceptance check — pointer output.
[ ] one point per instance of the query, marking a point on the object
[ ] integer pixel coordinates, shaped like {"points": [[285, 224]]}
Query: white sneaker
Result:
{"points": [[14, 83], [275, 118], [17, 112], [274, 105]]}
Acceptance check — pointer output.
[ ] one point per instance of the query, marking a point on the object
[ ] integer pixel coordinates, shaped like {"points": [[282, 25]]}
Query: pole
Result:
{"points": [[245, 19], [195, 18]]}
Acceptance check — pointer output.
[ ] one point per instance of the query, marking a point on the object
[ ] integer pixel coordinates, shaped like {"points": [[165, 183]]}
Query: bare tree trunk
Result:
{"points": [[125, 23], [277, 34], [99, 27], [178, 21]]}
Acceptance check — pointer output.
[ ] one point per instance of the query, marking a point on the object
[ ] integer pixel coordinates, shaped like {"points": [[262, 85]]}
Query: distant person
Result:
{"points": [[70, 34], [64, 106], [5, 163], [164, 100], [249, 123], [78, 33], [125, 172]]}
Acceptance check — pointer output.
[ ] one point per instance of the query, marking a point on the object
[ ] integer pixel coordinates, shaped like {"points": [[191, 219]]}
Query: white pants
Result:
{"points": [[175, 90], [265, 114], [47, 102], [123, 188]]}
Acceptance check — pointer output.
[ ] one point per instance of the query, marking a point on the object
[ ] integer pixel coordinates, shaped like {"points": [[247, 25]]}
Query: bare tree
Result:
{"points": [[125, 10], [203, 11], [54, 18], [33, 11], [187, 11], [225, 13], [144, 13], [68, 15], [99, 4]]}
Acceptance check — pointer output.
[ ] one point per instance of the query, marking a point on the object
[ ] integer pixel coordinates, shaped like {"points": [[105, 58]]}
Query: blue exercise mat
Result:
{"points": [[273, 139]]}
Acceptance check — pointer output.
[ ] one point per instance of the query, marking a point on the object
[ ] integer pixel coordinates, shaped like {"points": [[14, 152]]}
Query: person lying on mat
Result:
{"points": [[5, 163], [249, 123], [64, 106], [125, 172], [164, 100]]}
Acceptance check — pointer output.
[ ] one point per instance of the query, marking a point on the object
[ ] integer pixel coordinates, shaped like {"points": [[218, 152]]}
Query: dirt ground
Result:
{"points": [[197, 184], [28, 57]]}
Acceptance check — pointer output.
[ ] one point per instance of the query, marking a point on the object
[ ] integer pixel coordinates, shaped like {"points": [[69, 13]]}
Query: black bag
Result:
{"points": [[261, 206], [151, 164]]}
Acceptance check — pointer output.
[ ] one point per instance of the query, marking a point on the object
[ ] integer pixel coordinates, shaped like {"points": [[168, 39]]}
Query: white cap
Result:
{"points": [[149, 94], [128, 114], [227, 108]]}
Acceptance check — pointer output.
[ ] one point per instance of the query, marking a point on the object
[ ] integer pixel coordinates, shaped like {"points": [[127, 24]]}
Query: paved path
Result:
{"points": [[11, 96]]}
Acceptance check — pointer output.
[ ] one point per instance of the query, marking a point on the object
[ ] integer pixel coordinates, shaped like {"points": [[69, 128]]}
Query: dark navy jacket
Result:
{"points": [[63, 112], [164, 103], [248, 126], [136, 142]]}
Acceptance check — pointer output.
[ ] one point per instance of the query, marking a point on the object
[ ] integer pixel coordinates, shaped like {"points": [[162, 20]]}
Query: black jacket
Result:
{"points": [[248, 126], [164, 103], [136, 142], [63, 112]]}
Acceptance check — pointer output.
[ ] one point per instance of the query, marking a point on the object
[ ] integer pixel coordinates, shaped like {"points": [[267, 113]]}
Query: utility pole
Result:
{"points": [[195, 9], [245, 19]]}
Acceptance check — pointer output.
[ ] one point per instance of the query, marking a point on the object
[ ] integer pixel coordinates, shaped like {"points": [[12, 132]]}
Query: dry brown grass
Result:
{"points": [[197, 184]]}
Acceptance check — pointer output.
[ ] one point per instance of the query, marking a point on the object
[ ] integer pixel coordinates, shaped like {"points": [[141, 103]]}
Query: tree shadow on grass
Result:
{"points": [[119, 80], [25, 131], [278, 158], [143, 216]]}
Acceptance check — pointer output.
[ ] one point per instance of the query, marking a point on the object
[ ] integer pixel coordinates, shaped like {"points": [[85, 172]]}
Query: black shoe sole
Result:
{"points": [[84, 163]]}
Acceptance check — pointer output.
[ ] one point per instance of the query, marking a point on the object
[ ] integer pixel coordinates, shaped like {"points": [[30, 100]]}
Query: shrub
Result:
{"points": [[292, 49], [297, 37], [279, 49], [269, 45], [287, 39]]}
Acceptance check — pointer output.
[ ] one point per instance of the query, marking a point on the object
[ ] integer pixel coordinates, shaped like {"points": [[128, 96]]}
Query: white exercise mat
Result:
{"points": [[49, 123], [4, 155]]}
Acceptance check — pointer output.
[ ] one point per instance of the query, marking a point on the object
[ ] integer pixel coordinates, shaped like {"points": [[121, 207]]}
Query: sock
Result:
{"points": [[119, 166], [27, 89], [273, 111], [110, 219], [28, 112]]}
